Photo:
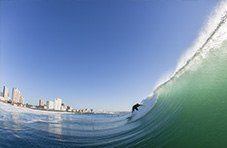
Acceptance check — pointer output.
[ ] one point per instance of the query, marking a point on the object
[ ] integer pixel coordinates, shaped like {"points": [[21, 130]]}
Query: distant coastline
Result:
{"points": [[30, 110], [17, 99], [40, 111]]}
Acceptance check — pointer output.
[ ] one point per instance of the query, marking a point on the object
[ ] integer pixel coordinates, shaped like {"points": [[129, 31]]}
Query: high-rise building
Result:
{"points": [[50, 105], [57, 104], [17, 96], [6, 93], [41, 103], [63, 107], [1, 96]]}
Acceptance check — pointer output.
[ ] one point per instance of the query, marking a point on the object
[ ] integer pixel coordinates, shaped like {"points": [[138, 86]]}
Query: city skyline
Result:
{"points": [[17, 96], [106, 61], [17, 99]]}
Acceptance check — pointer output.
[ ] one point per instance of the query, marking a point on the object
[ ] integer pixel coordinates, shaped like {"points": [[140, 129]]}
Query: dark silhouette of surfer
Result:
{"points": [[135, 107]]}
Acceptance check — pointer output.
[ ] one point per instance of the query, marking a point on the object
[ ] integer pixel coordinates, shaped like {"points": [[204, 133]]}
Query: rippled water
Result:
{"points": [[24, 127], [188, 110]]}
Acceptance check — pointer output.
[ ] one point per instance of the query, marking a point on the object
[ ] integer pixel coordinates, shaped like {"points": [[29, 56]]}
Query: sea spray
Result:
{"points": [[190, 108]]}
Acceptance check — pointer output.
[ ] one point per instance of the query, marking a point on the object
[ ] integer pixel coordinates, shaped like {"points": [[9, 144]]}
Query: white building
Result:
{"points": [[41, 103], [50, 105], [2, 98], [5, 93], [63, 108], [57, 104], [17, 96]]}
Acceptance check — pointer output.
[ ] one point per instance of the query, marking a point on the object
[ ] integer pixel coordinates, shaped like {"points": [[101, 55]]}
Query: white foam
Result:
{"points": [[214, 19], [211, 36]]}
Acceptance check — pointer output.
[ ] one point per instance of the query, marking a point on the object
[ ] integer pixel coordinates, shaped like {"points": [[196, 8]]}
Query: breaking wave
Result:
{"points": [[187, 109]]}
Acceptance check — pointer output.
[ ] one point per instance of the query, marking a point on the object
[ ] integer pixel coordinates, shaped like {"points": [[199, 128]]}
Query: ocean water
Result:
{"points": [[188, 109]]}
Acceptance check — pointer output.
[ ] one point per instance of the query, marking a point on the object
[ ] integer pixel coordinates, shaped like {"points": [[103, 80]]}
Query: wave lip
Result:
{"points": [[166, 115], [211, 36]]}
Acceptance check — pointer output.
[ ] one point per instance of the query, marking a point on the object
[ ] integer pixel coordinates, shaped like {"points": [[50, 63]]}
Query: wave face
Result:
{"points": [[188, 110], [196, 103]]}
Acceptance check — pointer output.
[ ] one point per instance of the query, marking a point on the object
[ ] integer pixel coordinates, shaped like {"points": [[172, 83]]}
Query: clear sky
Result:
{"points": [[101, 54]]}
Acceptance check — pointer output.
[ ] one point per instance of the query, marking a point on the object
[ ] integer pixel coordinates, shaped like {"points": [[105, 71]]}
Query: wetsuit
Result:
{"points": [[135, 107]]}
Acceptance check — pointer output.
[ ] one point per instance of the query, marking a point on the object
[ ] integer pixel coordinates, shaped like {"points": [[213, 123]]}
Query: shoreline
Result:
{"points": [[39, 111], [30, 110]]}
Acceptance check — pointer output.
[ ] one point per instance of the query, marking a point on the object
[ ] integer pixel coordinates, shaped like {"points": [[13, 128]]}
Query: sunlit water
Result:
{"points": [[189, 110]]}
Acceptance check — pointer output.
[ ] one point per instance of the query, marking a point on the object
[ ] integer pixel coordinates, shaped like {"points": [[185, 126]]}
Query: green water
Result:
{"points": [[191, 110]]}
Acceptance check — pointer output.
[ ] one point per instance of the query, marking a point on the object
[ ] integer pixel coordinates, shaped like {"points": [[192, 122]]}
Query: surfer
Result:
{"points": [[135, 107]]}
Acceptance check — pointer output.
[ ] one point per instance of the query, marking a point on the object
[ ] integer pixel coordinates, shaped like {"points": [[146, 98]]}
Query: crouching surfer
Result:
{"points": [[135, 107]]}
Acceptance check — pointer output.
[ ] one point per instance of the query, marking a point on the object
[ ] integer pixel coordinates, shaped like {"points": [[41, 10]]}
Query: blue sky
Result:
{"points": [[101, 54]]}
